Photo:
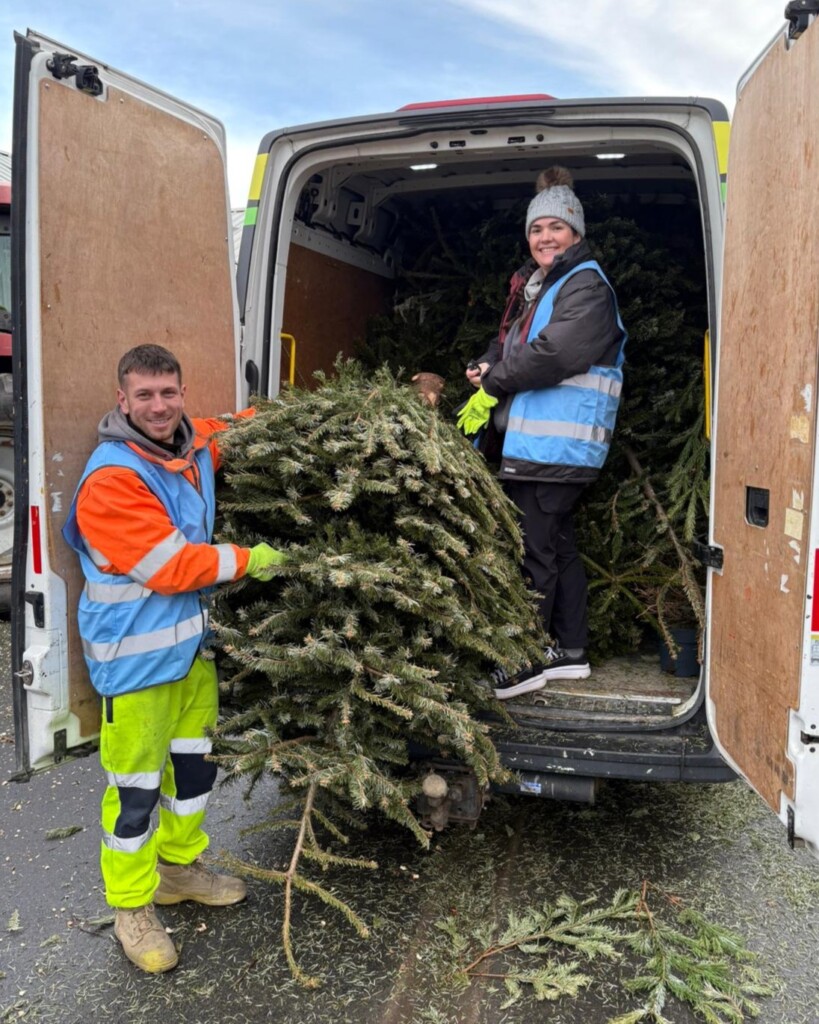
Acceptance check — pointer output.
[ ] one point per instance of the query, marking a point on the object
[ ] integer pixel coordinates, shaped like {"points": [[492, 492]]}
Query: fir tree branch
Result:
{"points": [[686, 563]]}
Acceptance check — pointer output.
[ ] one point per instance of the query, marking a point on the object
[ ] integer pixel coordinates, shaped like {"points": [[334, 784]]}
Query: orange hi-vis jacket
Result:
{"points": [[141, 523], [121, 518]]}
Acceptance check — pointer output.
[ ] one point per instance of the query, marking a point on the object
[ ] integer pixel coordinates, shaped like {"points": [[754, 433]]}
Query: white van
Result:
{"points": [[122, 234]]}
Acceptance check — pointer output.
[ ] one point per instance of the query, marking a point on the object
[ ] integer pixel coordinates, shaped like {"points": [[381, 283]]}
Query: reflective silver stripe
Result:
{"points": [[183, 746], [559, 428], [134, 780], [158, 557], [184, 807], [145, 643], [97, 557], [595, 382], [115, 593], [126, 845], [227, 562]]}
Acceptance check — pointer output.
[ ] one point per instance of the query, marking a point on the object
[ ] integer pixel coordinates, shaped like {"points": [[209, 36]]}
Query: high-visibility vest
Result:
{"points": [[133, 637], [571, 423]]}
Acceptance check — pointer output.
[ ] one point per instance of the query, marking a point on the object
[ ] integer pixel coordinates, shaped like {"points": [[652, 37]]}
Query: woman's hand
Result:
{"points": [[474, 372]]}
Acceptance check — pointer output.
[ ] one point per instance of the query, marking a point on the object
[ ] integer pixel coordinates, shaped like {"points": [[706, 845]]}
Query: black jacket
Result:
{"points": [[581, 333]]}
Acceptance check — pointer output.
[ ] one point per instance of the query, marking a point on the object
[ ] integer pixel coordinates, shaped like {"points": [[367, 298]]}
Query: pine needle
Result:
{"points": [[683, 958]]}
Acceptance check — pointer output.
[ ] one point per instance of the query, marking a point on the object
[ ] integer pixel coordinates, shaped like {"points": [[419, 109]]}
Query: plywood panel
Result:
{"points": [[326, 308], [133, 237], [766, 414]]}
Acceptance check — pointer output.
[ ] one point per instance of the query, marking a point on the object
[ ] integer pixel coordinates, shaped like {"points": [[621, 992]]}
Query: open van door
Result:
{"points": [[763, 637], [122, 235]]}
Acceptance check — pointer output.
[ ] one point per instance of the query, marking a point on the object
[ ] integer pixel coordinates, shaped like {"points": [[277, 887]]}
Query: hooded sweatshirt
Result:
{"points": [[120, 517]]}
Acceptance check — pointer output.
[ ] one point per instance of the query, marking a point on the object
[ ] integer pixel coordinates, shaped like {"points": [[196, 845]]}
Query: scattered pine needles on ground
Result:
{"points": [[679, 956]]}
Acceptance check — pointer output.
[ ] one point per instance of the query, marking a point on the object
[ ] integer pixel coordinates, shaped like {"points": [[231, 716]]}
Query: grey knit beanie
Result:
{"points": [[555, 198]]}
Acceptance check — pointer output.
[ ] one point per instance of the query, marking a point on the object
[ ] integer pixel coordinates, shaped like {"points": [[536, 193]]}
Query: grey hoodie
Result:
{"points": [[115, 426]]}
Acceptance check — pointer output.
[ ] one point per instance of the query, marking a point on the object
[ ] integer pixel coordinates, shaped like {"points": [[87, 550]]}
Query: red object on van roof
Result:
{"points": [[477, 100]]}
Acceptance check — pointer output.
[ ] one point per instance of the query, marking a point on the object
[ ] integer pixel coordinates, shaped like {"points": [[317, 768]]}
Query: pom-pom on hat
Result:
{"points": [[555, 198]]}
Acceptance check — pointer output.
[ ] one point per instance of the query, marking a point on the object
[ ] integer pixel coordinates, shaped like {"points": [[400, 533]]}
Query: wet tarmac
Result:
{"points": [[716, 849]]}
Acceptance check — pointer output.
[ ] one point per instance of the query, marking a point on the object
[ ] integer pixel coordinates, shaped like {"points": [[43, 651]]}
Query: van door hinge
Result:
{"points": [[799, 14], [86, 76], [37, 601], [708, 554]]}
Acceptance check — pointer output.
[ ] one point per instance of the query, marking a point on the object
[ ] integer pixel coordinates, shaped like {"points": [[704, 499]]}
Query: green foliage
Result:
{"points": [[63, 833], [628, 539], [402, 583], [450, 293], [686, 960]]}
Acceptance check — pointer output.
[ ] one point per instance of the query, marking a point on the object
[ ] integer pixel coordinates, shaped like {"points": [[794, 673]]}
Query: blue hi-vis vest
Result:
{"points": [[133, 637], [570, 424]]}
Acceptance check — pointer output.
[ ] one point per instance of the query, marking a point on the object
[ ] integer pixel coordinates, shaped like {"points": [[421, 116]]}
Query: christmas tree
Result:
{"points": [[402, 588]]}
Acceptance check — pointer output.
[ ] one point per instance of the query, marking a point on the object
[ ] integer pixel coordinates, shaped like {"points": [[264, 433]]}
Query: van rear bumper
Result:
{"points": [[671, 756]]}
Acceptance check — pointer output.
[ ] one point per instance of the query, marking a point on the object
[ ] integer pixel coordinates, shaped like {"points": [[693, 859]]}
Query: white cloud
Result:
{"points": [[640, 47]]}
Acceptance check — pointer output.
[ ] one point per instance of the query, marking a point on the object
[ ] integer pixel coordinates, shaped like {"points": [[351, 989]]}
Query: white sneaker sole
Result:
{"points": [[567, 672], [535, 683], [539, 681]]}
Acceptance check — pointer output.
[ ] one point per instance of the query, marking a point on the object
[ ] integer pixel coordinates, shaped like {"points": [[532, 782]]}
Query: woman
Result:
{"points": [[552, 382]]}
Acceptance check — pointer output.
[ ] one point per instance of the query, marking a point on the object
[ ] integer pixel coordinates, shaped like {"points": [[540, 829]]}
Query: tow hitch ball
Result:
{"points": [[447, 796]]}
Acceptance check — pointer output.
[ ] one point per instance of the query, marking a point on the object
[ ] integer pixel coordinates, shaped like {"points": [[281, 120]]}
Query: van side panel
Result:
{"points": [[766, 416], [327, 305], [131, 252]]}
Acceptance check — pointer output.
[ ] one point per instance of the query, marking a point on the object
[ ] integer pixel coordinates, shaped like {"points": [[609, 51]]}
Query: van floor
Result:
{"points": [[630, 685]]}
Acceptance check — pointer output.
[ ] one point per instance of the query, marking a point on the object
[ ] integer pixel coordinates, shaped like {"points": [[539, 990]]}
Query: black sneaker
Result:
{"points": [[557, 664], [507, 686], [560, 665]]}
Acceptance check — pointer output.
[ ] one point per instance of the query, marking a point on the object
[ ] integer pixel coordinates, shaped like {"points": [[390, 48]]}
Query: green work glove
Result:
{"points": [[262, 560], [475, 414]]}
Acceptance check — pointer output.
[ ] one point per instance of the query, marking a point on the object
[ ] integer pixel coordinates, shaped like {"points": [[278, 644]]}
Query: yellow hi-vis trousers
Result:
{"points": [[152, 748]]}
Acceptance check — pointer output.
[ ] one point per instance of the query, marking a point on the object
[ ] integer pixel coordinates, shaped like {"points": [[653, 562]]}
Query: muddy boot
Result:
{"points": [[195, 882], [144, 940]]}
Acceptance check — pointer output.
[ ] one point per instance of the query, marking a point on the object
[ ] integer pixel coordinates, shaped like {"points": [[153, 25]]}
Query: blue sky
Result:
{"points": [[263, 65]]}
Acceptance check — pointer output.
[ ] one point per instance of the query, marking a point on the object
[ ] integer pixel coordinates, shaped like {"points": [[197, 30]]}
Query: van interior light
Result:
{"points": [[611, 156], [423, 167]]}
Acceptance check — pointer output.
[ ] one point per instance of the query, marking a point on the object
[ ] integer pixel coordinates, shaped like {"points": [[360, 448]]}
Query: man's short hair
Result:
{"points": [[151, 359]]}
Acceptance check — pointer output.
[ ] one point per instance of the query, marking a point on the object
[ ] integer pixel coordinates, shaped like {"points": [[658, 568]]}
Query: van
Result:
{"points": [[122, 233], [6, 442]]}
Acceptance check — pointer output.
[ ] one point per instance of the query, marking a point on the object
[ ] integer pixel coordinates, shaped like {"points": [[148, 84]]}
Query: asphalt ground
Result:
{"points": [[715, 849]]}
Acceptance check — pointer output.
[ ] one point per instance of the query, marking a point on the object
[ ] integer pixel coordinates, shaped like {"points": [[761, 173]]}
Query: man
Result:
{"points": [[142, 524]]}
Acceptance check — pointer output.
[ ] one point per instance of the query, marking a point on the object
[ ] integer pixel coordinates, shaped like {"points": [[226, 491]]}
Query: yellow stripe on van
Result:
{"points": [[258, 177], [722, 133]]}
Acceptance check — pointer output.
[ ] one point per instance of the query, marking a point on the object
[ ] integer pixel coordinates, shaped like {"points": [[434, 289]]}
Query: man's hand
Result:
{"points": [[475, 414], [263, 560]]}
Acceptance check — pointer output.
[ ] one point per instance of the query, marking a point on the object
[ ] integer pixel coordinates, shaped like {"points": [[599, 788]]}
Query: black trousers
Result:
{"points": [[551, 562]]}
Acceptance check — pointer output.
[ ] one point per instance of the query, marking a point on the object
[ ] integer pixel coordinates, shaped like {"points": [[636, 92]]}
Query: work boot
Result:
{"points": [[144, 941], [195, 882]]}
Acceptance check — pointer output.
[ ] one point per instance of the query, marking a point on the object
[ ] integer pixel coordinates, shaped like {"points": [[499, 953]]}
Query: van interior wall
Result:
{"points": [[327, 306], [456, 258]]}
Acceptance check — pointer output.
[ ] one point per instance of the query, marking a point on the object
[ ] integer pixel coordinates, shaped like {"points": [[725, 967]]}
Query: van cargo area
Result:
{"points": [[408, 264]]}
